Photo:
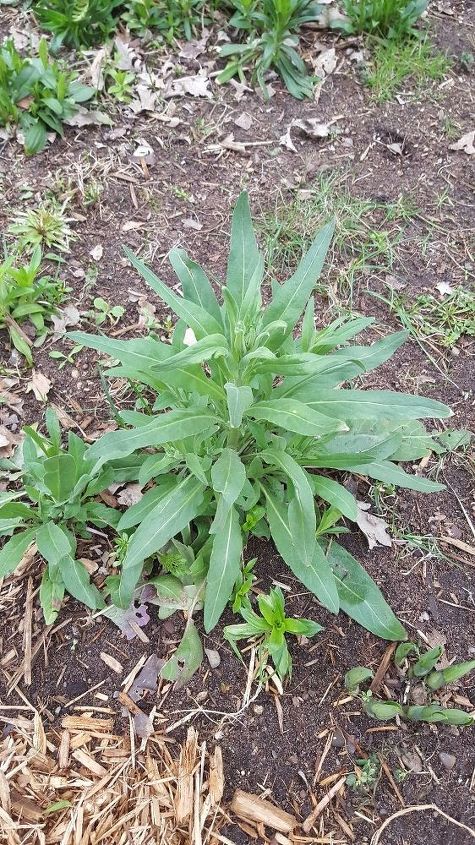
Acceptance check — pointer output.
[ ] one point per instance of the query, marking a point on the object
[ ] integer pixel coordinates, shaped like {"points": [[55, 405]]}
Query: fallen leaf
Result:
{"points": [[146, 99], [84, 117], [244, 121], [97, 252], [465, 143], [123, 618], [8, 441], [40, 385], [373, 527], [67, 316], [325, 63], [286, 140], [191, 223], [214, 657], [444, 288], [96, 70], [130, 495], [193, 49], [195, 86], [240, 89]]}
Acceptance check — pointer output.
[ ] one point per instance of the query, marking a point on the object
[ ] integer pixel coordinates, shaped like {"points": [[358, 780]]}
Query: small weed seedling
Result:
{"points": [[55, 504], [25, 295], [121, 84], [441, 321], [37, 95], [103, 312], [366, 774], [270, 627], [422, 670], [172, 19], [45, 226]]}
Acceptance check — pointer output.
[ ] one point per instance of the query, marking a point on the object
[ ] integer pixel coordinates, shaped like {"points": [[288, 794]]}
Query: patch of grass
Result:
{"points": [[366, 238], [388, 18], [394, 62], [442, 321]]}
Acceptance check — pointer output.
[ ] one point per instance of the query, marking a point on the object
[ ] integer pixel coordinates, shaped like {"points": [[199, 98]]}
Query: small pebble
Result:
{"points": [[448, 760]]}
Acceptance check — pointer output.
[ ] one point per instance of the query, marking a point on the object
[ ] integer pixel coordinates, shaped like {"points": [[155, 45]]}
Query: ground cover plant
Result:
{"points": [[393, 19], [53, 507], [37, 94], [80, 23], [246, 415]]}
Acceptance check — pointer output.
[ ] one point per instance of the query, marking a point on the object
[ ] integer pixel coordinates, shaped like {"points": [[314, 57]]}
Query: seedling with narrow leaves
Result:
{"points": [[269, 628], [251, 424], [54, 505], [421, 670], [46, 226], [77, 23], [392, 19]]}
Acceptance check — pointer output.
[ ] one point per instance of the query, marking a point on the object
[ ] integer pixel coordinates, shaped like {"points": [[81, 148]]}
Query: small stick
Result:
{"points": [[388, 773], [129, 703], [416, 809], [382, 668], [312, 818], [27, 633]]}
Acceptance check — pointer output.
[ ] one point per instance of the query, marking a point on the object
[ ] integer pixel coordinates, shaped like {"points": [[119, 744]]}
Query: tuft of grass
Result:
{"points": [[387, 18], [395, 62], [445, 321], [366, 237]]}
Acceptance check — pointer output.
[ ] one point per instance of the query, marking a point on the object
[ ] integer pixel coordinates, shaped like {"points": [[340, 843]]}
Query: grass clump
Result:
{"points": [[395, 62], [393, 19]]}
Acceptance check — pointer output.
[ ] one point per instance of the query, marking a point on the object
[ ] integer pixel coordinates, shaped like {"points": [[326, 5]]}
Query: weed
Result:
{"points": [[121, 86], [363, 242], [244, 413], [65, 357], [271, 29], [442, 321], [37, 94], [392, 19], [171, 18], [25, 295], [102, 311], [77, 23], [393, 62], [270, 627], [365, 775], [421, 668], [46, 226]]}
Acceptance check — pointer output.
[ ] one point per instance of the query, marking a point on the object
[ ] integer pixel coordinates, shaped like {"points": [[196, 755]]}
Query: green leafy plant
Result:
{"points": [[171, 18], [45, 226], [55, 504], [442, 321], [366, 773], [421, 670], [248, 421], [271, 29], [37, 95], [77, 23], [121, 86], [102, 311], [270, 626], [386, 18], [25, 295]]}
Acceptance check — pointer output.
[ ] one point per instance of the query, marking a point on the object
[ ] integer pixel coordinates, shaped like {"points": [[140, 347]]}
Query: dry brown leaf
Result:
{"points": [[40, 385], [244, 121], [84, 117], [67, 316], [373, 527], [465, 143], [195, 86], [130, 495]]}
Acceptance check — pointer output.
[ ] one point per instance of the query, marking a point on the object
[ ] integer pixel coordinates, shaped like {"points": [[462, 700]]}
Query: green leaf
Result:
{"points": [[60, 475], [427, 661], [317, 577], [77, 582], [449, 675], [301, 511], [377, 404], [35, 138], [202, 323], [404, 650], [392, 474], [224, 568], [244, 254], [51, 596], [294, 416], [228, 475], [382, 710], [54, 543], [360, 597], [436, 713], [187, 658], [14, 549], [337, 495], [196, 285], [139, 353], [172, 513], [291, 298], [239, 398], [163, 428], [212, 346], [354, 677], [136, 514]]}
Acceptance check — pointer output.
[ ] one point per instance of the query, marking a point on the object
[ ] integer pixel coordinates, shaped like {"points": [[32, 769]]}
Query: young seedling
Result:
{"points": [[423, 670], [270, 627]]}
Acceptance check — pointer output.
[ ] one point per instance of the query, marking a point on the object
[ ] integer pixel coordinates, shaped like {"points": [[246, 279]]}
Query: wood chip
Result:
{"points": [[112, 663], [312, 818], [252, 808], [186, 765]]}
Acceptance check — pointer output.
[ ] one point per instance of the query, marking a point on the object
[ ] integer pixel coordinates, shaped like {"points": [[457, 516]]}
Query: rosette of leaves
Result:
{"points": [[271, 28], [251, 423], [77, 23], [54, 505]]}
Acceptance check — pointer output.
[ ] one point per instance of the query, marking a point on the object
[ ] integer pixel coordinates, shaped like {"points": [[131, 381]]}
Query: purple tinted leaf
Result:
{"points": [[123, 618]]}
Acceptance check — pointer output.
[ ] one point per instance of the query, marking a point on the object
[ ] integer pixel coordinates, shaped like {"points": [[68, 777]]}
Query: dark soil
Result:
{"points": [[149, 208]]}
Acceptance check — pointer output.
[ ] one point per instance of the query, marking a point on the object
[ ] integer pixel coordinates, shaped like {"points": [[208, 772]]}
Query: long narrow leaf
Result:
{"points": [[224, 567]]}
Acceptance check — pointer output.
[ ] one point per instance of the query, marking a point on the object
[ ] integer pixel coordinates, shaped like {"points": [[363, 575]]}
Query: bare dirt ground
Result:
{"points": [[182, 193]]}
